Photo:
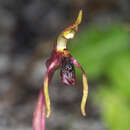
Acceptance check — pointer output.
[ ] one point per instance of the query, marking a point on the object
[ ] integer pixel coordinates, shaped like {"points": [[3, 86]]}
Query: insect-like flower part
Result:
{"points": [[62, 59]]}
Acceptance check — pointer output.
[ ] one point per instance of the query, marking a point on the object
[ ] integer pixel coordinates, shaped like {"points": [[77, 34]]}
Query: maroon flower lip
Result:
{"points": [[60, 59], [67, 71]]}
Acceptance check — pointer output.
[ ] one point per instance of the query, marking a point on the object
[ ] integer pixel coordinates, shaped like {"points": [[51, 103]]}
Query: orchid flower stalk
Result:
{"points": [[60, 59]]}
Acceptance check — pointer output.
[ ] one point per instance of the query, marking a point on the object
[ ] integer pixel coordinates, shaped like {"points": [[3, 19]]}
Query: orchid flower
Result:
{"points": [[60, 59]]}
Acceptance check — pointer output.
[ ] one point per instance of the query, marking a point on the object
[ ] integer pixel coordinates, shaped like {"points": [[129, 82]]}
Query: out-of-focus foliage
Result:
{"points": [[106, 53]]}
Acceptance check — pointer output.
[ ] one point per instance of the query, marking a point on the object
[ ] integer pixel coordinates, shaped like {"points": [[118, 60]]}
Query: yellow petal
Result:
{"points": [[85, 95], [79, 18], [47, 99]]}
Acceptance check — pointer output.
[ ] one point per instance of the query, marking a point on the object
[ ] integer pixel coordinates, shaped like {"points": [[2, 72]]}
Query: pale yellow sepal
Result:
{"points": [[68, 33], [47, 99], [85, 95], [79, 18]]}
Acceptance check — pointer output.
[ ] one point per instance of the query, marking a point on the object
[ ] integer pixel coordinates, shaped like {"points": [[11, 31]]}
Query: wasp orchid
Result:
{"points": [[60, 59]]}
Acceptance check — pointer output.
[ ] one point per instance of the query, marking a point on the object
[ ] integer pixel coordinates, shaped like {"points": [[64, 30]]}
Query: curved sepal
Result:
{"points": [[50, 71], [85, 86]]}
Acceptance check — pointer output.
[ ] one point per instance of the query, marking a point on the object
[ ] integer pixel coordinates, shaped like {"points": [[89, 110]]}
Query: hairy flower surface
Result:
{"points": [[61, 59]]}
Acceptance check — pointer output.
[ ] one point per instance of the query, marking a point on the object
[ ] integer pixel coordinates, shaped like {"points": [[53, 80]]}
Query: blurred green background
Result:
{"points": [[104, 53]]}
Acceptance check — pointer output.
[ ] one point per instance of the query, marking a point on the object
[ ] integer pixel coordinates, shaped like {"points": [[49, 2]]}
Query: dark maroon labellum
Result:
{"points": [[67, 72]]}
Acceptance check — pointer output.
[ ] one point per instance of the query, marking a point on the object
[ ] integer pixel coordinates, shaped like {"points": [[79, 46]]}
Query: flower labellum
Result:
{"points": [[67, 72], [61, 59]]}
